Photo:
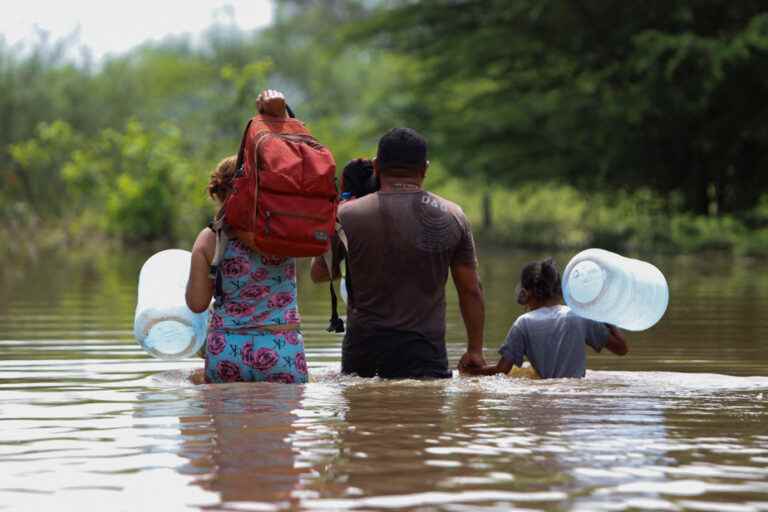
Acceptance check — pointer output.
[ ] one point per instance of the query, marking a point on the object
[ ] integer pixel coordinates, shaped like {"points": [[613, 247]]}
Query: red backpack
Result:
{"points": [[285, 197]]}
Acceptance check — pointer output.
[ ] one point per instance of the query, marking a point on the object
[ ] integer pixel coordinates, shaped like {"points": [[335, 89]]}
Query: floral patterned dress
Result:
{"points": [[259, 291]]}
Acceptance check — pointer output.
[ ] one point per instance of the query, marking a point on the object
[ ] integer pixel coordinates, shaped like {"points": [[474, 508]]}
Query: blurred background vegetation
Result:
{"points": [[558, 124]]}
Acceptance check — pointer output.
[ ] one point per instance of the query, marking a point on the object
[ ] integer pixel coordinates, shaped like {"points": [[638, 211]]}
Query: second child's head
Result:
{"points": [[222, 179], [539, 284]]}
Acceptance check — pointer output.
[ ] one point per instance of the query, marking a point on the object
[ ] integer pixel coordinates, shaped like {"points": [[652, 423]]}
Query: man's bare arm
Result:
{"points": [[472, 306]]}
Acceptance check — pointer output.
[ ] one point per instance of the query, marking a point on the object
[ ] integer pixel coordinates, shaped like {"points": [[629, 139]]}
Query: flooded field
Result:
{"points": [[89, 421]]}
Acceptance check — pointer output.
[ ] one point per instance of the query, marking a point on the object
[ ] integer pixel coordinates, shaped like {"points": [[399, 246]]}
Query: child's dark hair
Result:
{"points": [[541, 279]]}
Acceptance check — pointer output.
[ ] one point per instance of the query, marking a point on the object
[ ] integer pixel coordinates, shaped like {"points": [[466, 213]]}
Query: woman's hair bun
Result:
{"points": [[221, 183]]}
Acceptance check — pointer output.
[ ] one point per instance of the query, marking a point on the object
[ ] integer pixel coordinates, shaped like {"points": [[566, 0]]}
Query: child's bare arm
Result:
{"points": [[504, 365], [616, 342]]}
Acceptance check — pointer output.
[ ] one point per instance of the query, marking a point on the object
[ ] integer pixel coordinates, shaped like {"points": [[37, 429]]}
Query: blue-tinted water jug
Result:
{"points": [[164, 326], [607, 287]]}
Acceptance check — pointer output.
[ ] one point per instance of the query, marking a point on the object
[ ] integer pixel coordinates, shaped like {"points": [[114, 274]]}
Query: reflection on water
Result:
{"points": [[239, 443], [89, 421]]}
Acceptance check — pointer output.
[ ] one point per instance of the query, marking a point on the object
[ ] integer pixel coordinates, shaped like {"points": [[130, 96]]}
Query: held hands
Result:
{"points": [[271, 103], [471, 362]]}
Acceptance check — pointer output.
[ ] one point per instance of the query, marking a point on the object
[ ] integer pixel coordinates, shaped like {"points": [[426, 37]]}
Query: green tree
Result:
{"points": [[35, 176], [137, 183], [601, 93]]}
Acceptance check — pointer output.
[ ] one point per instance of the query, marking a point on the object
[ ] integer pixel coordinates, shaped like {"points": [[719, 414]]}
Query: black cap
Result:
{"points": [[402, 148]]}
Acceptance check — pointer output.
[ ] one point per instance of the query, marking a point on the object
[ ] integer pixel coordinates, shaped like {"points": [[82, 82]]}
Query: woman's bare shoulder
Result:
{"points": [[206, 234], [205, 243]]}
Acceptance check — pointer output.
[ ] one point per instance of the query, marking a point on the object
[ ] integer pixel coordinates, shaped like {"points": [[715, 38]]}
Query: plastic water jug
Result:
{"points": [[164, 326], [607, 287]]}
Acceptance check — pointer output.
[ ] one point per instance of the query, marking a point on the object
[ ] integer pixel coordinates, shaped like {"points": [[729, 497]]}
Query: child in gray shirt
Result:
{"points": [[549, 334]]}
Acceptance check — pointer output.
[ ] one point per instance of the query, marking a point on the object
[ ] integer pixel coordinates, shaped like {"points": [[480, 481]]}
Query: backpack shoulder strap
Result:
{"points": [[222, 239], [241, 151], [336, 324], [342, 235]]}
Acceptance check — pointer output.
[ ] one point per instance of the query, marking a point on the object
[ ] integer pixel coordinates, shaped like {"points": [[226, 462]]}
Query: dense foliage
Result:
{"points": [[602, 93], [124, 149], [635, 125]]}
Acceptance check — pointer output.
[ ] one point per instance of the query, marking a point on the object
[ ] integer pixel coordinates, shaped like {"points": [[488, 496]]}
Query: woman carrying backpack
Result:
{"points": [[254, 328]]}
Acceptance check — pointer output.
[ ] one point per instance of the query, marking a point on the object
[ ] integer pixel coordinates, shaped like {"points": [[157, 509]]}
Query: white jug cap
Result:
{"points": [[586, 281]]}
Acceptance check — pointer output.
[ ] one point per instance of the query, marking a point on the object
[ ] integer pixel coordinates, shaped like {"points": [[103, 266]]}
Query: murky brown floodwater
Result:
{"points": [[89, 422]]}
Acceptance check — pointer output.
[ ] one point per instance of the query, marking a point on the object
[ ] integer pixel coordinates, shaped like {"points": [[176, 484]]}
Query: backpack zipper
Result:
{"points": [[269, 213]]}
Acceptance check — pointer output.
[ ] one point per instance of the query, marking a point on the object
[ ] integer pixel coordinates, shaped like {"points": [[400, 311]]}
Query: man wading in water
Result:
{"points": [[402, 241]]}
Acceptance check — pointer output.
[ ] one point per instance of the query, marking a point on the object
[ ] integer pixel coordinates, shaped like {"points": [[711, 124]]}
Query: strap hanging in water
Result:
{"points": [[214, 271], [336, 324]]}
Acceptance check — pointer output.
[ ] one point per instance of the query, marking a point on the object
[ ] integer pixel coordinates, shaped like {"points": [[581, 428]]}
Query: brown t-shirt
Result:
{"points": [[401, 247]]}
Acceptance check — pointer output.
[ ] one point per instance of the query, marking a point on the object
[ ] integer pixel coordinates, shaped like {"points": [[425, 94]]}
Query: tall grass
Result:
{"points": [[548, 216], [556, 216]]}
